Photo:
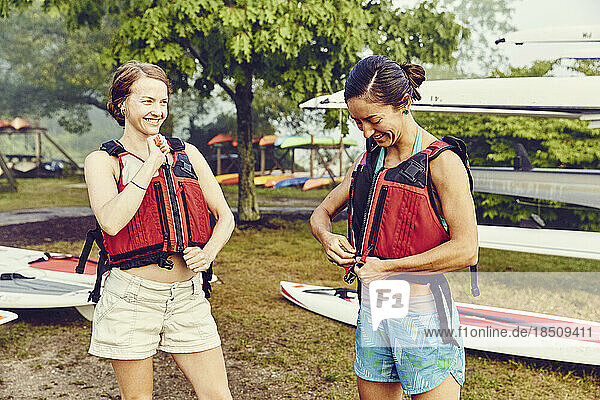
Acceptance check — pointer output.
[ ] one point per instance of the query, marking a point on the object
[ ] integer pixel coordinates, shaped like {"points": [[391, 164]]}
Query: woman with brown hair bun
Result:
{"points": [[411, 217], [154, 199]]}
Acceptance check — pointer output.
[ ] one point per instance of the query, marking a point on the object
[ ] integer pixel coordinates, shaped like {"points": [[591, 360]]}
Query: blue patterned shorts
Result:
{"points": [[400, 351]]}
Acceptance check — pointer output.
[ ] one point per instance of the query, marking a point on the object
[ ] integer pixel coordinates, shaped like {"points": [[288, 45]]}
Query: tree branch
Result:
{"points": [[83, 99], [204, 64]]}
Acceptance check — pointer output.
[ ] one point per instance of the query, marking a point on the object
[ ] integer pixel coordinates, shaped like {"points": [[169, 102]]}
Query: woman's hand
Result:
{"points": [[157, 150], [197, 259], [338, 250], [373, 269]]}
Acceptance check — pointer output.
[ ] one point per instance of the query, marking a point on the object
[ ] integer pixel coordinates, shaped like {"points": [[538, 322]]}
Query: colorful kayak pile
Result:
{"points": [[283, 180], [286, 142]]}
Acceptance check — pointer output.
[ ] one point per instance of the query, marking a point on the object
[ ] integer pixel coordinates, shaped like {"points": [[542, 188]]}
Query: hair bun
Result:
{"points": [[416, 76]]}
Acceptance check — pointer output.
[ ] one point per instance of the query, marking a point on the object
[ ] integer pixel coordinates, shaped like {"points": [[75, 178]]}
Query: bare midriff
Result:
{"points": [[179, 273], [419, 290]]}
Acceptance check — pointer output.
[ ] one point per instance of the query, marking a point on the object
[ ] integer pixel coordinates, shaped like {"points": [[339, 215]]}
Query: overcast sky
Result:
{"points": [[534, 14]]}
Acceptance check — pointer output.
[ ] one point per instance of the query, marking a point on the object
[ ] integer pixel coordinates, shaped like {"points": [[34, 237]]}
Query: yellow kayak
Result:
{"points": [[221, 178]]}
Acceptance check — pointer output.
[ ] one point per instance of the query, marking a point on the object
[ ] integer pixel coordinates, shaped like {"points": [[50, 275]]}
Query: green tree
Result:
{"points": [[538, 68], [302, 48], [48, 70], [587, 67]]}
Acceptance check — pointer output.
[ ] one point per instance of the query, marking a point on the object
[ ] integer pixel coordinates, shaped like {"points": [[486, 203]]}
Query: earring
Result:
{"points": [[405, 112], [123, 111]]}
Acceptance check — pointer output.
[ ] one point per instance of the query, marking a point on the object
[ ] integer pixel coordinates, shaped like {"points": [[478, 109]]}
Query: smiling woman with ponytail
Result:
{"points": [[411, 217]]}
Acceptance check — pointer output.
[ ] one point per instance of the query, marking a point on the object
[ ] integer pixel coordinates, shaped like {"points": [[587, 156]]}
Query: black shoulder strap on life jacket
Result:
{"points": [[94, 235], [113, 148], [442, 296], [460, 148], [176, 144], [208, 274]]}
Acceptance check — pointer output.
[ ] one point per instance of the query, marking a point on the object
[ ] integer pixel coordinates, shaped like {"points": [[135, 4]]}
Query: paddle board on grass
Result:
{"points": [[270, 182], [268, 140], [276, 178], [230, 181], [320, 182], [49, 266], [7, 316], [18, 291], [539, 335], [260, 180], [35, 279], [234, 180]]}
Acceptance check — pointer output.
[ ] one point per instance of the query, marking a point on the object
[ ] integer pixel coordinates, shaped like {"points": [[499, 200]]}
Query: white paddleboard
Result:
{"points": [[551, 242], [18, 291], [7, 316], [555, 34], [37, 264], [481, 325], [551, 97], [31, 279]]}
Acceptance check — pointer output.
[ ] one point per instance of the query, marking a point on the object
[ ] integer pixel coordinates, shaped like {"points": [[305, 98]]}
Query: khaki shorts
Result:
{"points": [[134, 317]]}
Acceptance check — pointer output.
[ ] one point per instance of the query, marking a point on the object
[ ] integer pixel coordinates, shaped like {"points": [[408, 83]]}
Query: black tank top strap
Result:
{"points": [[176, 144], [113, 147]]}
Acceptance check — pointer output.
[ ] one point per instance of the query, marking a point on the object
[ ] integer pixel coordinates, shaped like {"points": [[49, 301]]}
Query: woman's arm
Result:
{"points": [[196, 258], [337, 248], [114, 210], [450, 179]]}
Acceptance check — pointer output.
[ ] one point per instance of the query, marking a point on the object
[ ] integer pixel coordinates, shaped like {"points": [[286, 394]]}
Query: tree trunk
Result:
{"points": [[167, 127], [247, 202]]}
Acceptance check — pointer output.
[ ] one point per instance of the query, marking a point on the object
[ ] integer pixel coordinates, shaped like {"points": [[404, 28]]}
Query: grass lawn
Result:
{"points": [[275, 197], [297, 354], [40, 193], [276, 350], [44, 192]]}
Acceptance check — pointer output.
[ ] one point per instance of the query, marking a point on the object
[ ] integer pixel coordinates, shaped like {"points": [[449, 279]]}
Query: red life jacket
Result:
{"points": [[173, 215], [392, 213]]}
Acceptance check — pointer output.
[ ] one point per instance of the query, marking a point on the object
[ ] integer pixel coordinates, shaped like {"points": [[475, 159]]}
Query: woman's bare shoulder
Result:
{"points": [[100, 160]]}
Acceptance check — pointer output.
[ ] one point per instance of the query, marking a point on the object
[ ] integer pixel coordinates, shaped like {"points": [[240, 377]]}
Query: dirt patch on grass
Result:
{"points": [[44, 356], [53, 230]]}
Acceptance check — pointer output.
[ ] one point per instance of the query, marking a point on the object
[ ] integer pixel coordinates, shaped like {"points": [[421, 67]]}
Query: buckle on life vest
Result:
{"points": [[350, 275], [164, 262], [412, 171]]}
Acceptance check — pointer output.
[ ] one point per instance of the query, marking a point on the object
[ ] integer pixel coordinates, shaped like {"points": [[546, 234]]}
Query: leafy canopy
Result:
{"points": [[304, 46]]}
